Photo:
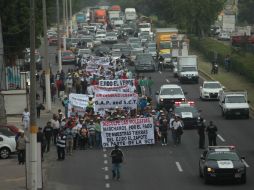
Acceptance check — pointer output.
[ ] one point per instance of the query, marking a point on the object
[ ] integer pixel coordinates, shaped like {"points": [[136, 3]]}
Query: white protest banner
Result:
{"points": [[128, 132], [78, 102], [108, 100], [119, 82], [101, 89]]}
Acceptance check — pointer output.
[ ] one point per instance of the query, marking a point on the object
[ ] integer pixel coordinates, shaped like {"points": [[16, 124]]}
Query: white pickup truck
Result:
{"points": [[234, 103]]}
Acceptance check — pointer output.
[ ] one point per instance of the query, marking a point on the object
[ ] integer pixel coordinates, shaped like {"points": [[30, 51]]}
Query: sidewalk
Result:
{"points": [[13, 176]]}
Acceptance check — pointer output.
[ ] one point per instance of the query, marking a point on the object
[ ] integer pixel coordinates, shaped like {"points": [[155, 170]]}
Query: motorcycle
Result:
{"points": [[215, 68]]}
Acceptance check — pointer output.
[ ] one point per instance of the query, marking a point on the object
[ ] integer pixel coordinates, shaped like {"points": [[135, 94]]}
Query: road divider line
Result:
{"points": [[105, 162], [179, 167], [167, 81], [160, 72], [106, 177], [104, 149], [105, 155], [245, 163], [221, 138], [107, 185], [106, 168]]}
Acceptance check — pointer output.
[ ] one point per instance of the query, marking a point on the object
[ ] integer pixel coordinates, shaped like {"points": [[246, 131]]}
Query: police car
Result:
{"points": [[188, 113], [222, 163]]}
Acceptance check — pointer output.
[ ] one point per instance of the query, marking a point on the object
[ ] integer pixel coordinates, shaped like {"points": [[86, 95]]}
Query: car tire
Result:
{"points": [[247, 116], [243, 179], [5, 153], [222, 113]]}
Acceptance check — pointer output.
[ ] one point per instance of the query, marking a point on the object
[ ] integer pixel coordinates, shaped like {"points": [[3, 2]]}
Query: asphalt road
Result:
{"points": [[155, 167]]}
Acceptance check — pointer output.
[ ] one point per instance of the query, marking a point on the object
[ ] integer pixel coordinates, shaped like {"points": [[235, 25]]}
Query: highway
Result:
{"points": [[156, 167]]}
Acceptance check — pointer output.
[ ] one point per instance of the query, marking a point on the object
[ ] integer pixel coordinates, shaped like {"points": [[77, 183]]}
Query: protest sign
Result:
{"points": [[127, 132], [102, 89], [78, 102], [108, 100], [119, 82]]}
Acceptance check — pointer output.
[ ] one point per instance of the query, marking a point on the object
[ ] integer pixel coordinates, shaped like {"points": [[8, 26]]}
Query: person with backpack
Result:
{"points": [[117, 159]]}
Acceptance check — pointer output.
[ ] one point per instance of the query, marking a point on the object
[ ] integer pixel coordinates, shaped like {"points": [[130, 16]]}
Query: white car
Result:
{"points": [[169, 94], [7, 145], [210, 90], [224, 36], [100, 36], [111, 37]]}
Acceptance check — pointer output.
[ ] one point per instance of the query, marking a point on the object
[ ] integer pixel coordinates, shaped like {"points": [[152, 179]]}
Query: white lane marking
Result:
{"points": [[106, 177], [221, 138], [104, 150], [105, 155], [167, 80], [105, 162], [245, 163], [179, 167], [160, 72], [107, 185], [106, 168]]}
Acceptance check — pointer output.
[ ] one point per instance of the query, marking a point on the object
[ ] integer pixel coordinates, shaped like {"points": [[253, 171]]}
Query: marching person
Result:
{"points": [[212, 133], [164, 131], [117, 159], [21, 148], [201, 133], [177, 129], [48, 133], [61, 144]]}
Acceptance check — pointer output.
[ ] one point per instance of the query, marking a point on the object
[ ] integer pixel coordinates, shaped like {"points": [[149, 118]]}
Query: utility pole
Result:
{"points": [[67, 20], [32, 173], [3, 117], [64, 25], [70, 17], [46, 62], [58, 38]]}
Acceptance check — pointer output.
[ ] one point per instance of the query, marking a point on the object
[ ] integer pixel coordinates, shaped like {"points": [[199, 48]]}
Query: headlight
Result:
{"points": [[210, 170], [207, 93], [161, 100], [240, 170]]}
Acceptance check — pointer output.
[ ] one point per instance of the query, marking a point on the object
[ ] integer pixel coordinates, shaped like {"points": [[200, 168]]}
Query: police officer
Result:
{"points": [[212, 133], [160, 62], [201, 133]]}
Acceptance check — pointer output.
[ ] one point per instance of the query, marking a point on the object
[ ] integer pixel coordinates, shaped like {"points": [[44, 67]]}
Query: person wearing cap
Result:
{"points": [[48, 133], [211, 130], [117, 158], [201, 133]]}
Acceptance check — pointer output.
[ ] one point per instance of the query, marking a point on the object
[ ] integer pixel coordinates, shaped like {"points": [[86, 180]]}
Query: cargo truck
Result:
{"points": [[187, 68], [114, 12], [130, 14], [100, 16]]}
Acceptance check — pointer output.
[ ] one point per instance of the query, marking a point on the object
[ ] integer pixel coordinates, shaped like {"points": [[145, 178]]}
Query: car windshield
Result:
{"points": [[116, 54], [146, 57], [67, 54], [144, 25], [118, 46], [216, 156], [85, 51], [6, 132], [136, 45], [165, 45], [100, 32], [235, 99], [152, 49], [193, 110], [212, 85], [111, 34], [151, 45], [136, 52], [171, 91], [187, 69], [134, 40]]}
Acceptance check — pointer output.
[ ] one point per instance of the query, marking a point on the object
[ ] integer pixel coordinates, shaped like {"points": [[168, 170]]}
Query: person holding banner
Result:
{"points": [[117, 160]]}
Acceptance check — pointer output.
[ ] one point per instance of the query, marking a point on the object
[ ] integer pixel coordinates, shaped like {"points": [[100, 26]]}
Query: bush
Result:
{"points": [[241, 63]]}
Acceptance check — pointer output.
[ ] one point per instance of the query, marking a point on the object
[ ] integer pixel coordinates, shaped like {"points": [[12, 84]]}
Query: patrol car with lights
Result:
{"points": [[188, 113], [222, 163]]}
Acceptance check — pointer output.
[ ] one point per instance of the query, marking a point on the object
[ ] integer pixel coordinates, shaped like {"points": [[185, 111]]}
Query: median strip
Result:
{"points": [[179, 167]]}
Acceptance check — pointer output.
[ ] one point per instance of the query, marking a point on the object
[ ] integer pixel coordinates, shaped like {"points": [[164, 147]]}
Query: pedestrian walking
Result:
{"points": [[48, 133], [41, 140], [21, 148], [150, 83], [164, 131], [69, 140], [201, 133], [26, 119], [61, 144], [91, 133], [117, 160], [56, 126], [177, 129], [212, 133]]}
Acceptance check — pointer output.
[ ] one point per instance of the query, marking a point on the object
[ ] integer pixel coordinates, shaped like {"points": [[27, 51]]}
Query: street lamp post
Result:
{"points": [[46, 62], [59, 56], [32, 173]]}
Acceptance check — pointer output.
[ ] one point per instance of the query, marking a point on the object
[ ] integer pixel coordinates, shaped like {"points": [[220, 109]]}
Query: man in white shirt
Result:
{"points": [[176, 127], [69, 84]]}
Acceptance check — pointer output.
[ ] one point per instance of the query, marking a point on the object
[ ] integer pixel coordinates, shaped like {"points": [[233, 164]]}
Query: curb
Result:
{"points": [[207, 76]]}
